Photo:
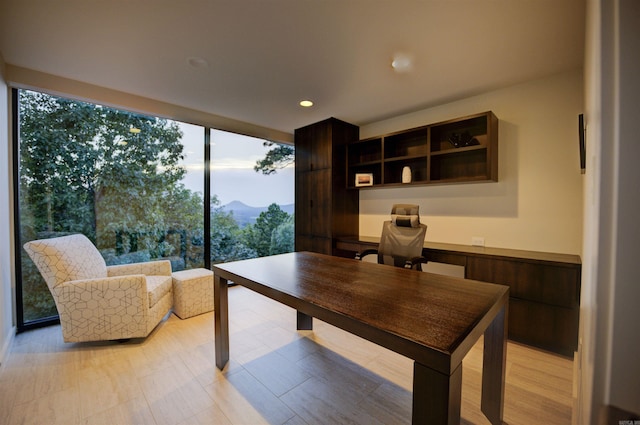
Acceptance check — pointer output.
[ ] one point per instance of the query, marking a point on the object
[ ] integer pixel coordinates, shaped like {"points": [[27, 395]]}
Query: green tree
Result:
{"points": [[283, 237], [93, 169], [259, 235], [227, 243], [278, 157]]}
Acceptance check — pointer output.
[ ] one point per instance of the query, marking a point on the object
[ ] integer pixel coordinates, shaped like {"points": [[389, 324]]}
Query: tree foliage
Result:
{"points": [[227, 241], [88, 172], [260, 234], [278, 157]]}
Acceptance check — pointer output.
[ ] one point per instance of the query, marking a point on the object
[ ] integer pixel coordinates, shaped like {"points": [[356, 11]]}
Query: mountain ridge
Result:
{"points": [[246, 214]]}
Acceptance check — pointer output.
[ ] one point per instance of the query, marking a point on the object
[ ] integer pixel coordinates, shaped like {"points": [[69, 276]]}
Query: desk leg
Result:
{"points": [[221, 316], [493, 368], [304, 322], [436, 396]]}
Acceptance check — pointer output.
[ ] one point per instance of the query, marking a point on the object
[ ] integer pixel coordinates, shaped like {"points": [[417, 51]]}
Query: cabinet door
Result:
{"points": [[314, 244], [313, 147], [313, 203], [541, 325], [549, 284]]}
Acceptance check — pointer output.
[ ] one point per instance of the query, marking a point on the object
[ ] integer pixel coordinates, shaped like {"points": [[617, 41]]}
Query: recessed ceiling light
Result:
{"points": [[306, 103], [197, 62], [402, 62]]}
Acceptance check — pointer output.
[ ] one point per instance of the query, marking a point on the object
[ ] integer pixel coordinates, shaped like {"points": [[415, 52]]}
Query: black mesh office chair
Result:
{"points": [[402, 239]]}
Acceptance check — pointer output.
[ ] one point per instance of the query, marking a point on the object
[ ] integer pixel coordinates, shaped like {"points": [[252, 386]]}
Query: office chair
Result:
{"points": [[402, 239]]}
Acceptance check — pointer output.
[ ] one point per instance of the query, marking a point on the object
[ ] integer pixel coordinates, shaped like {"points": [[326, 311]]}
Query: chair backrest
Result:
{"points": [[66, 258], [402, 237]]}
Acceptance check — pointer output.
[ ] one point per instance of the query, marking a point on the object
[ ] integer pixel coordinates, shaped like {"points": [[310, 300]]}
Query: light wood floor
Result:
{"points": [[276, 375]]}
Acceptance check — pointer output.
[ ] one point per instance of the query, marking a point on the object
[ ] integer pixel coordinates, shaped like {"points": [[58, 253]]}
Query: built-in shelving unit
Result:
{"points": [[456, 151]]}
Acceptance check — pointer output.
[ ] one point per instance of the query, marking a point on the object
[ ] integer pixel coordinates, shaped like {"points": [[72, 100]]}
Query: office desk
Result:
{"points": [[432, 319]]}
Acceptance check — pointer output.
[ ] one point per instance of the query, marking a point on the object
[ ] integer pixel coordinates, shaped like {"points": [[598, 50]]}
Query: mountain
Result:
{"points": [[245, 214]]}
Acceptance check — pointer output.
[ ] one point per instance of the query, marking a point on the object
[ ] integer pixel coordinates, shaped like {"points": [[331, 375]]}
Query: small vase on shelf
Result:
{"points": [[406, 175]]}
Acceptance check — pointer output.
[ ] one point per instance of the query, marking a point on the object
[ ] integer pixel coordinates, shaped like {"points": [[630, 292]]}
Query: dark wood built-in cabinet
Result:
{"points": [[544, 288], [456, 151], [324, 208]]}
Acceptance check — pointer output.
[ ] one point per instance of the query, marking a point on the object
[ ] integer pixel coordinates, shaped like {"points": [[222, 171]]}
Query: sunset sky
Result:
{"points": [[232, 175]]}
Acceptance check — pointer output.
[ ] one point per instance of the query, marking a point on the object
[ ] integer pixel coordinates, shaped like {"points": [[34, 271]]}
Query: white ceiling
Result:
{"points": [[264, 56]]}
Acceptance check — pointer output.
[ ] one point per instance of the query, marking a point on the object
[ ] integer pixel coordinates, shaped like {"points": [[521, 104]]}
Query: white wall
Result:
{"points": [[609, 368], [537, 202], [6, 282]]}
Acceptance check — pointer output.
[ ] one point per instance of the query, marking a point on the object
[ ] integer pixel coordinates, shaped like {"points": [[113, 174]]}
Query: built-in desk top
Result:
{"points": [[477, 250]]}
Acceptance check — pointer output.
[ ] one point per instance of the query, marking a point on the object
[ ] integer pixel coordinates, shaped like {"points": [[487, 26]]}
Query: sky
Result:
{"points": [[233, 157]]}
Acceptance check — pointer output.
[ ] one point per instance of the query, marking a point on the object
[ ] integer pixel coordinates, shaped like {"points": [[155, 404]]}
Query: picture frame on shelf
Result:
{"points": [[364, 179]]}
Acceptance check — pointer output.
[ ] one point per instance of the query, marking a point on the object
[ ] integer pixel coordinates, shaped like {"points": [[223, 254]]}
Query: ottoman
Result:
{"points": [[192, 292]]}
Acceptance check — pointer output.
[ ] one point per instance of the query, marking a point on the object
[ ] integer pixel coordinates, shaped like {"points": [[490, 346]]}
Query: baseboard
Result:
{"points": [[614, 415], [4, 353]]}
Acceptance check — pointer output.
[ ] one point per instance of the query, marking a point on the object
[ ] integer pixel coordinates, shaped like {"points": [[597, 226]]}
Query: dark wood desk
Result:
{"points": [[432, 319]]}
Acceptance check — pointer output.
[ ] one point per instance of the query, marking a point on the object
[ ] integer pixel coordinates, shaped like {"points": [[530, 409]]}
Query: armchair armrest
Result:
{"points": [[150, 268], [103, 309], [361, 255]]}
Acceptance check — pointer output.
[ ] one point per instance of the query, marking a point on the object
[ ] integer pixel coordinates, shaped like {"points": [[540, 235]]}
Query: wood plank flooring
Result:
{"points": [[276, 375]]}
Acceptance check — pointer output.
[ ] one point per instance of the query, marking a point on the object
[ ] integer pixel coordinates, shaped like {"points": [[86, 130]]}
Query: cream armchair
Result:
{"points": [[97, 302]]}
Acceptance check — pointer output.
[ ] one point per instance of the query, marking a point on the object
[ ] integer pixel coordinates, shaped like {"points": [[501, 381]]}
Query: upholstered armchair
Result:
{"points": [[97, 302]]}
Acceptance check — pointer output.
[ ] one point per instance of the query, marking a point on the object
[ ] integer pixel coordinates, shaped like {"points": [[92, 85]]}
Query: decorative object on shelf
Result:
{"points": [[406, 174], [460, 140], [364, 179]]}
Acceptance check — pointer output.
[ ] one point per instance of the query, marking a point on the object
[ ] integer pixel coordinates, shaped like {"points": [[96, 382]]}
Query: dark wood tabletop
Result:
{"points": [[400, 309]]}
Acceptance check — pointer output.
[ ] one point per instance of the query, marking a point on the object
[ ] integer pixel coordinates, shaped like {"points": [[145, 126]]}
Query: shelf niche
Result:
{"points": [[461, 150]]}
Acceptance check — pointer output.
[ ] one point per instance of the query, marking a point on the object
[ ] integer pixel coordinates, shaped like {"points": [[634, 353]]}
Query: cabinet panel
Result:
{"points": [[314, 244], [553, 285], [314, 142], [319, 185], [541, 325]]}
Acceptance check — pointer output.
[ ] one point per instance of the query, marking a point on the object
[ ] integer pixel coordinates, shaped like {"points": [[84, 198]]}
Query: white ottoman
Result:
{"points": [[192, 292]]}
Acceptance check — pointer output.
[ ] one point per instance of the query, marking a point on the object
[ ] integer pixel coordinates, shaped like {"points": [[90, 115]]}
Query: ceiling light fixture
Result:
{"points": [[306, 103], [402, 63], [197, 62]]}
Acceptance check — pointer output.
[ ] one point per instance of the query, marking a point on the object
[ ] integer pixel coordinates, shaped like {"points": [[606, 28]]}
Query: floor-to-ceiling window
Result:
{"points": [[252, 208], [134, 184]]}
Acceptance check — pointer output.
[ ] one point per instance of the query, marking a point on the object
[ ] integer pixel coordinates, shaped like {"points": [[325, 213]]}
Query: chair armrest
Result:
{"points": [[361, 255], [103, 309], [415, 262], [150, 268]]}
